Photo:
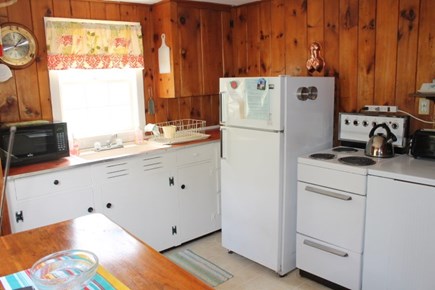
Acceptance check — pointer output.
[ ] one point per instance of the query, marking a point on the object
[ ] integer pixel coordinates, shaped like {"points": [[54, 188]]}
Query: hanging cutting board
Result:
{"points": [[164, 57]]}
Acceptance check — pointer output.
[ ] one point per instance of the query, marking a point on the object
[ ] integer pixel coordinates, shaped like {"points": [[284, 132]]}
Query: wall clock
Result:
{"points": [[20, 46]]}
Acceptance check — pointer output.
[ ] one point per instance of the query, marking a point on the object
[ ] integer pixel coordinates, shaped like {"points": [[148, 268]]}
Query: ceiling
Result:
{"points": [[226, 2]]}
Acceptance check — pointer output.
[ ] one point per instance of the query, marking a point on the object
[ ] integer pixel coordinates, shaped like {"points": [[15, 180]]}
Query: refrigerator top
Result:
{"points": [[269, 103]]}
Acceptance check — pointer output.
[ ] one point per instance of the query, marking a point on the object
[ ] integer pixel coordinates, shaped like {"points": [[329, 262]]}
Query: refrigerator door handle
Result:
{"points": [[222, 142], [221, 97]]}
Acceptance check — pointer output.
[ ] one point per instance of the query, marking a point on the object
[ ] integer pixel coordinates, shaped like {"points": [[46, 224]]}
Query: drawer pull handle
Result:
{"points": [[325, 248], [328, 193]]}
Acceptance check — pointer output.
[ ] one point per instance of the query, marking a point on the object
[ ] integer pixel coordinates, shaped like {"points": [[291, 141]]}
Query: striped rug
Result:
{"points": [[199, 267]]}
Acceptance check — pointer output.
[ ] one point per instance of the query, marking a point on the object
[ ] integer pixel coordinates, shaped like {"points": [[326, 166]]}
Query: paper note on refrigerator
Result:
{"points": [[249, 99]]}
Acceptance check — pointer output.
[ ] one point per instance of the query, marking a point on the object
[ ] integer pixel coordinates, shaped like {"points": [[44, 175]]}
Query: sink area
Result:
{"points": [[128, 149]]}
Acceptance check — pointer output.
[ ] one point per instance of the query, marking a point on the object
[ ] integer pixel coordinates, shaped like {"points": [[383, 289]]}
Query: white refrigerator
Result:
{"points": [[266, 123]]}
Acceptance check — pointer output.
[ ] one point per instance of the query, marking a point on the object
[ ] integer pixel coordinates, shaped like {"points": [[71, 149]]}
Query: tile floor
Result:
{"points": [[247, 275]]}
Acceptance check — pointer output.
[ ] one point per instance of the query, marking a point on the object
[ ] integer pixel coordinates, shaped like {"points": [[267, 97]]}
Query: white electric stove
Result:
{"points": [[331, 204]]}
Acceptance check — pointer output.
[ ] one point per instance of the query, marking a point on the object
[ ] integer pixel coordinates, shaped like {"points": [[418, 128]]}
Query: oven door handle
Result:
{"points": [[328, 193], [326, 248]]}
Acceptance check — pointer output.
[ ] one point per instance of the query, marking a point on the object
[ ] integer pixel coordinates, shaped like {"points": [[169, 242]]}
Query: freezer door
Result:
{"points": [[255, 102], [251, 171]]}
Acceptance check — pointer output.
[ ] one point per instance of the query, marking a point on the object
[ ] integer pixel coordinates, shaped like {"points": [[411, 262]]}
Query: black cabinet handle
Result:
{"points": [[108, 205], [56, 182], [19, 216], [183, 186], [90, 209]]}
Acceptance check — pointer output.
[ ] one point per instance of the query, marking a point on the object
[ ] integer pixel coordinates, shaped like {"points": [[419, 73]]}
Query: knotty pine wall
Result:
{"points": [[379, 51], [27, 95]]}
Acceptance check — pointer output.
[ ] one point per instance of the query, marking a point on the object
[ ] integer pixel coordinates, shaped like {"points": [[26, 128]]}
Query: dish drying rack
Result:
{"points": [[186, 130]]}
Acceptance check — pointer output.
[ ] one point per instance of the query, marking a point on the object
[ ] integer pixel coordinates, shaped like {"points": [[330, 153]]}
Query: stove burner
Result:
{"points": [[344, 149], [357, 160], [322, 156]]}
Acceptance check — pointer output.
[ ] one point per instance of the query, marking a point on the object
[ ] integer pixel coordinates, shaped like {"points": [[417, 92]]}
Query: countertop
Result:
{"points": [[131, 261], [407, 168], [74, 161]]}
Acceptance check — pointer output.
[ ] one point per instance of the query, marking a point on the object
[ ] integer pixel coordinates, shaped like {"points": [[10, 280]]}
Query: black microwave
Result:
{"points": [[423, 144], [35, 143]]}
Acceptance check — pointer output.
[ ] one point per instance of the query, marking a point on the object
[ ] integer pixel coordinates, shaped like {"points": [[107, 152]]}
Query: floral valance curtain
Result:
{"points": [[92, 44]]}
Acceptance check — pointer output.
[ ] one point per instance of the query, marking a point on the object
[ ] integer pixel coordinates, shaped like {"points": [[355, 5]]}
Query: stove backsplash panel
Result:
{"points": [[354, 129]]}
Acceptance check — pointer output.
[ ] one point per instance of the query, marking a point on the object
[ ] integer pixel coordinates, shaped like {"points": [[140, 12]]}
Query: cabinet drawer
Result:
{"points": [[341, 180], [42, 184], [195, 154], [332, 263], [330, 215]]}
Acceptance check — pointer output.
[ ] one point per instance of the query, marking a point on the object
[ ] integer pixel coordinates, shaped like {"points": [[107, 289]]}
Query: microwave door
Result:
{"points": [[34, 143], [41, 141]]}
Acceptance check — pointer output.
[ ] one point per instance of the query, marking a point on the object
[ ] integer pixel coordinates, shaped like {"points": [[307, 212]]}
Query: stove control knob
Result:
{"points": [[365, 123], [356, 122], [374, 124], [394, 126], [346, 122]]}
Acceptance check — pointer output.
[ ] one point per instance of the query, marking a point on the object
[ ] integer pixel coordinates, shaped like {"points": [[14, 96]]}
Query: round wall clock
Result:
{"points": [[19, 45]]}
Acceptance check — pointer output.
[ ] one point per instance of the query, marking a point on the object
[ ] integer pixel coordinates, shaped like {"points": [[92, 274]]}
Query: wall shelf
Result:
{"points": [[430, 96]]}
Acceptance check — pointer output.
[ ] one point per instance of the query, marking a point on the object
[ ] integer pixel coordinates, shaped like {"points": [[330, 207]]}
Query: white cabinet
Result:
{"points": [[164, 198], [399, 248], [139, 194], [330, 224], [198, 191], [47, 198]]}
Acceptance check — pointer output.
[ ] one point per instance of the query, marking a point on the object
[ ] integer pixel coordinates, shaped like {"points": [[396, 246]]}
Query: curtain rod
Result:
{"points": [[60, 19]]}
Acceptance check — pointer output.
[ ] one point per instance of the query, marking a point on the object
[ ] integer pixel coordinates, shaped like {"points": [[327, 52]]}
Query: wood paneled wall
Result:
{"points": [[27, 95], [379, 51]]}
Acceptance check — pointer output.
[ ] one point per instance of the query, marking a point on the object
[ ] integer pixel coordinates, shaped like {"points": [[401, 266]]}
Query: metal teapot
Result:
{"points": [[380, 145]]}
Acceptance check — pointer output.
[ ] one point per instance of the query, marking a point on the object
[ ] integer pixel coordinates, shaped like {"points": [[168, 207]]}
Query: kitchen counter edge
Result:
{"points": [[76, 161]]}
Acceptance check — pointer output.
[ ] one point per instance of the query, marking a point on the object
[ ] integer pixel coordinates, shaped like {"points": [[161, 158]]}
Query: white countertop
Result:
{"points": [[407, 168]]}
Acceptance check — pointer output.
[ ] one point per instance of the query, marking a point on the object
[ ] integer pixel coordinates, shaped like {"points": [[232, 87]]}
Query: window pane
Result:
{"points": [[98, 102]]}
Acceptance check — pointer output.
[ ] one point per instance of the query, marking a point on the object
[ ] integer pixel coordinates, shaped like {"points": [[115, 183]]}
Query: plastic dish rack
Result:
{"points": [[187, 130]]}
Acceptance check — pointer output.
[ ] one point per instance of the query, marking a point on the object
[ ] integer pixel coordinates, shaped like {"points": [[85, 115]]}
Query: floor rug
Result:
{"points": [[199, 267]]}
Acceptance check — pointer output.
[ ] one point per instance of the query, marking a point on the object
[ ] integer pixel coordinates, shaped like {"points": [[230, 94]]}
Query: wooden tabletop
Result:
{"points": [[131, 261]]}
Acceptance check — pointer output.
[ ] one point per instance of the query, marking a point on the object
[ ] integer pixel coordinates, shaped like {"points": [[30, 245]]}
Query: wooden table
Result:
{"points": [[131, 261]]}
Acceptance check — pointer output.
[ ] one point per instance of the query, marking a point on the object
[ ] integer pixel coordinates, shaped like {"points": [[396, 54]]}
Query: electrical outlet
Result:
{"points": [[385, 109], [423, 106]]}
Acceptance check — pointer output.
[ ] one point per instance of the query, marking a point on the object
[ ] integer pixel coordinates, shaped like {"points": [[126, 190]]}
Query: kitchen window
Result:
{"points": [[96, 82], [97, 104]]}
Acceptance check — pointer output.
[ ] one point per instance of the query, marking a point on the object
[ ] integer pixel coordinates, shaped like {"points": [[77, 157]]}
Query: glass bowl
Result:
{"points": [[64, 270]]}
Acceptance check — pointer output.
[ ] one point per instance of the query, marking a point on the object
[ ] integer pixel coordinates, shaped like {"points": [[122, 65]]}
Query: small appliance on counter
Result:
{"points": [[35, 142], [423, 144]]}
